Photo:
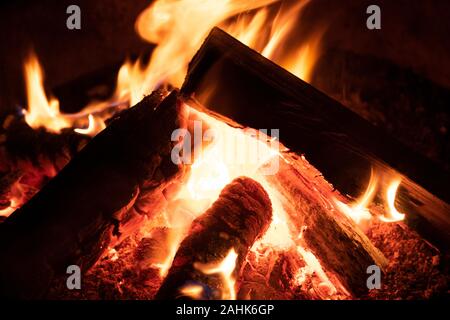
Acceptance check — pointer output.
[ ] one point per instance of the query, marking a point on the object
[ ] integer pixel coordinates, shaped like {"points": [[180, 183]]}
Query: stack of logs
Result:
{"points": [[122, 176]]}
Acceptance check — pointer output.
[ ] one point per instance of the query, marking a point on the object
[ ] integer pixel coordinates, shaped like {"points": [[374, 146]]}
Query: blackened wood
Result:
{"points": [[240, 216], [73, 219], [237, 82]]}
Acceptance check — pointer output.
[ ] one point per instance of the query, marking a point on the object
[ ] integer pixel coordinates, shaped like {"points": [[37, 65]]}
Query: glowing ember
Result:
{"points": [[225, 268], [194, 291], [16, 200], [7, 211], [313, 266], [391, 193], [358, 210], [113, 254], [174, 239]]}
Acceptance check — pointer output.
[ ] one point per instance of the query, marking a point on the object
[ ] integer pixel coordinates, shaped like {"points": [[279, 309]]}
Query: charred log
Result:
{"points": [[255, 92], [90, 203], [335, 240], [240, 216]]}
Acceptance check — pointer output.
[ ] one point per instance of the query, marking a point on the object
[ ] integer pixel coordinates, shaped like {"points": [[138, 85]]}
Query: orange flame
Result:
{"points": [[194, 291], [225, 268], [16, 200], [231, 152], [313, 266], [391, 193], [358, 210], [44, 112], [178, 27]]}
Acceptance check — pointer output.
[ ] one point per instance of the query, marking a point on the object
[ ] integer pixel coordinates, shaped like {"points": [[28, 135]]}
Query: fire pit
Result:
{"points": [[228, 180]]}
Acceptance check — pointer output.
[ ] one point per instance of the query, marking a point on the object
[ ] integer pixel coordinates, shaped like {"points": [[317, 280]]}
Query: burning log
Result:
{"points": [[90, 203], [254, 92], [218, 243], [335, 240]]}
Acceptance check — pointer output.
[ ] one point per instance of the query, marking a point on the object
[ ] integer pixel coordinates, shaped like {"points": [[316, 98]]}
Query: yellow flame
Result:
{"points": [[391, 194], [194, 291], [42, 112], [178, 28], [95, 125], [230, 153], [45, 112], [358, 210], [313, 265], [17, 198], [10, 209], [174, 238], [225, 268]]}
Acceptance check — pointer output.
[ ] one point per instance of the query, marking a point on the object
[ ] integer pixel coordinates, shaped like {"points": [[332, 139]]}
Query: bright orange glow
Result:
{"points": [[7, 211], [174, 238], [301, 62], [358, 210], [193, 291], [393, 214], [178, 28], [113, 254], [313, 266], [225, 268], [42, 112], [230, 153], [16, 200]]}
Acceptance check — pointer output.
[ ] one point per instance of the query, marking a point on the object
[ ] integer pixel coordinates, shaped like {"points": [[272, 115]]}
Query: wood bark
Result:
{"points": [[240, 216], [336, 241]]}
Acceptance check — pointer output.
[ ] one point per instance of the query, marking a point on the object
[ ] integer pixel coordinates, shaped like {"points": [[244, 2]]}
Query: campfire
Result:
{"points": [[215, 171]]}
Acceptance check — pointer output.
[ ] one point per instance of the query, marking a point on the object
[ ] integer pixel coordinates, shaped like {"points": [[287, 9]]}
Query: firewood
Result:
{"points": [[90, 203], [340, 245], [254, 92], [240, 216]]}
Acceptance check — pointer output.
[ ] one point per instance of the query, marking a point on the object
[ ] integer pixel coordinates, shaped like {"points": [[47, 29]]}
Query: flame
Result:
{"points": [[45, 112], [178, 28], [112, 254], [194, 291], [95, 125], [313, 266], [358, 211], [391, 193], [17, 198], [42, 112], [230, 153], [8, 210], [225, 268], [174, 239]]}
